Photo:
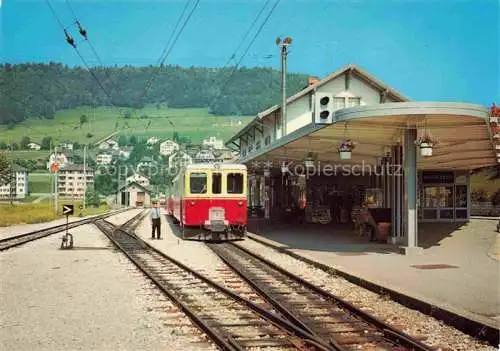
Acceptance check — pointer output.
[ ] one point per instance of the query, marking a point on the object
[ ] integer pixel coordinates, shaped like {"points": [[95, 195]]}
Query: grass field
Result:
{"points": [[26, 213], [39, 183], [102, 121], [41, 212]]}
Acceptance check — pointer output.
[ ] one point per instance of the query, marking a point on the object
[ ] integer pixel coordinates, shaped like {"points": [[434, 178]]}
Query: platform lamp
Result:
{"points": [[309, 161], [267, 172]]}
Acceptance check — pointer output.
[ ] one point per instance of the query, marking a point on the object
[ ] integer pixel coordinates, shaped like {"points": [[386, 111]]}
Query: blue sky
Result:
{"points": [[429, 50]]}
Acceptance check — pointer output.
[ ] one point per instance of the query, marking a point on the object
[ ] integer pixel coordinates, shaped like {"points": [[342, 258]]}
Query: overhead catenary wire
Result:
{"points": [[172, 41], [162, 61], [248, 32], [83, 32], [70, 41], [245, 52]]}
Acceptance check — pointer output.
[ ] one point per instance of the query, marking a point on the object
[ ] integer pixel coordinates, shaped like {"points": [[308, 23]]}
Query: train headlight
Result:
{"points": [[192, 203], [240, 203]]}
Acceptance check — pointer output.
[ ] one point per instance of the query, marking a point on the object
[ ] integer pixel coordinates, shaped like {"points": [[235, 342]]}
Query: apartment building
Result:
{"points": [[18, 188], [72, 181]]}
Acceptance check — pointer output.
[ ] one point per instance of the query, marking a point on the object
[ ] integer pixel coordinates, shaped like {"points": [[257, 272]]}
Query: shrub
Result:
{"points": [[480, 195], [495, 198]]}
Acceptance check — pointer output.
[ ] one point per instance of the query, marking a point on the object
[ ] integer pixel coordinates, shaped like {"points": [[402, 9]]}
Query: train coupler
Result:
{"points": [[67, 241]]}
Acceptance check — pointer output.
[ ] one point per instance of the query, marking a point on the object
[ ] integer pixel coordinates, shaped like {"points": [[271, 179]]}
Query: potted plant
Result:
{"points": [[426, 142], [345, 149]]}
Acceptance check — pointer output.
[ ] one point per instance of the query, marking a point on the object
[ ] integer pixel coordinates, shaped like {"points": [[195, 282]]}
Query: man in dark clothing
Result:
{"points": [[349, 204], [155, 215], [334, 202]]}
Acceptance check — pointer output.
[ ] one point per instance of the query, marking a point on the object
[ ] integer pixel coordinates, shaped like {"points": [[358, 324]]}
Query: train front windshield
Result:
{"points": [[198, 183], [235, 183]]}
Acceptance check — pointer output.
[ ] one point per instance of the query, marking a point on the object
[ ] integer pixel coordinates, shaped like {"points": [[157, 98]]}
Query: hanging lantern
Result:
{"points": [[284, 168], [309, 162], [267, 172]]}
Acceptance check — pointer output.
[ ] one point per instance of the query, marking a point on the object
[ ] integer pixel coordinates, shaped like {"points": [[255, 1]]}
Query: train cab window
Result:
{"points": [[235, 183], [198, 183], [216, 183]]}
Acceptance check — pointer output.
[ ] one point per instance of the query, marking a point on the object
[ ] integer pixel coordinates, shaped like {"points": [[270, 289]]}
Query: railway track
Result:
{"points": [[13, 241], [132, 223], [330, 319], [233, 321]]}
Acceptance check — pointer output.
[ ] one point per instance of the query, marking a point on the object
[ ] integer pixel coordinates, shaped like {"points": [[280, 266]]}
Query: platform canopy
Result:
{"points": [[462, 131]]}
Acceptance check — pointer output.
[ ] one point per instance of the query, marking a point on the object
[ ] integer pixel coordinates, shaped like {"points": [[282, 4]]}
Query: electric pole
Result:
{"points": [[283, 44], [84, 176], [55, 179], [13, 180]]}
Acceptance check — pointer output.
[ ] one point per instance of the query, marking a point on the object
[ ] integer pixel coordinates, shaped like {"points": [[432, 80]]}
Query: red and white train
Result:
{"points": [[209, 201]]}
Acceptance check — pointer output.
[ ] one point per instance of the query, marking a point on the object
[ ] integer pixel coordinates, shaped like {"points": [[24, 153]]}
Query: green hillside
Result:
{"points": [[196, 123]]}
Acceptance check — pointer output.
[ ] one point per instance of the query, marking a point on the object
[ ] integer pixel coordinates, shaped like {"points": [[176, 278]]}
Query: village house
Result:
{"points": [[152, 140], [168, 147], [204, 156], [214, 143], [125, 152], [139, 179], [179, 159], [34, 146], [18, 187], [146, 162], [62, 158], [104, 158], [109, 144], [67, 145]]}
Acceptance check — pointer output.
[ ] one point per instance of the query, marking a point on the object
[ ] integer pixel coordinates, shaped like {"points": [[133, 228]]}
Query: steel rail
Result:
{"points": [[388, 331], [221, 340], [20, 239]]}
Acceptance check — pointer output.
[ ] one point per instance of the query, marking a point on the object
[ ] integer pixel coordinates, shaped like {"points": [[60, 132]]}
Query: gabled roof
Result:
{"points": [[17, 168], [357, 71], [354, 69], [76, 167], [137, 185]]}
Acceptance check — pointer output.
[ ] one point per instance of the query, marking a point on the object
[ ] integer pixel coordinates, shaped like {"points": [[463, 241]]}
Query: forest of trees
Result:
{"points": [[39, 90]]}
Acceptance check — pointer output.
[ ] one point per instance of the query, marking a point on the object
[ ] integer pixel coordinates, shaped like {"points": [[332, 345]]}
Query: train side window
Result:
{"points": [[216, 183], [235, 183], [198, 183]]}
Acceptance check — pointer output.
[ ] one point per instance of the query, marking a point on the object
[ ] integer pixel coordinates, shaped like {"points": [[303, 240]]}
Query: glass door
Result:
{"points": [[438, 202]]}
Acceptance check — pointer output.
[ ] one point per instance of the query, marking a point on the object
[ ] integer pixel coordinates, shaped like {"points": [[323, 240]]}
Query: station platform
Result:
{"points": [[458, 270]]}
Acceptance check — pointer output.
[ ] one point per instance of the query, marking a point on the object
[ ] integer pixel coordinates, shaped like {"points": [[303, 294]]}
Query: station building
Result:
{"points": [[352, 135]]}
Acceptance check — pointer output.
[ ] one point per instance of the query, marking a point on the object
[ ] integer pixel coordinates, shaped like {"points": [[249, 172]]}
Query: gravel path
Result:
{"points": [[88, 298], [412, 322]]}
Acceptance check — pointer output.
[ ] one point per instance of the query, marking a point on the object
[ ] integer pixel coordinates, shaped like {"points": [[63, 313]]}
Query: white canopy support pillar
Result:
{"points": [[410, 193]]}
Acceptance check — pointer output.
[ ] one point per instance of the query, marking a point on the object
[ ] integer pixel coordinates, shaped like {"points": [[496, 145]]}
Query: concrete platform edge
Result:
{"points": [[463, 321]]}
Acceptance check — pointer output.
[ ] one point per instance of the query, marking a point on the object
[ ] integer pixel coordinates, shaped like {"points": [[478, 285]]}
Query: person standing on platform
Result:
{"points": [[302, 207], [349, 204], [334, 202], [155, 215]]}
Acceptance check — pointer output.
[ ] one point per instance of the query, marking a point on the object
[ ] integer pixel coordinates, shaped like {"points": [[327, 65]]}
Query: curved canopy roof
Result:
{"points": [[462, 131]]}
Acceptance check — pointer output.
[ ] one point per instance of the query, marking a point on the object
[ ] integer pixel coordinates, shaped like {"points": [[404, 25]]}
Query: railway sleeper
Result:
{"points": [[270, 342]]}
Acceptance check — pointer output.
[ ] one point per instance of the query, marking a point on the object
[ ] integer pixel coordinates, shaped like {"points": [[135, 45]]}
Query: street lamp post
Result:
{"points": [[283, 44]]}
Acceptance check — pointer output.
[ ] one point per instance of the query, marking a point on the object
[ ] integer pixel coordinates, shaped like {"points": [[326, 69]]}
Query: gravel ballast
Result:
{"points": [[436, 333], [88, 298]]}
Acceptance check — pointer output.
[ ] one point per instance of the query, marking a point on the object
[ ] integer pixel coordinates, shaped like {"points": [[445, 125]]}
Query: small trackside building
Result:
{"points": [[134, 194], [411, 161]]}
